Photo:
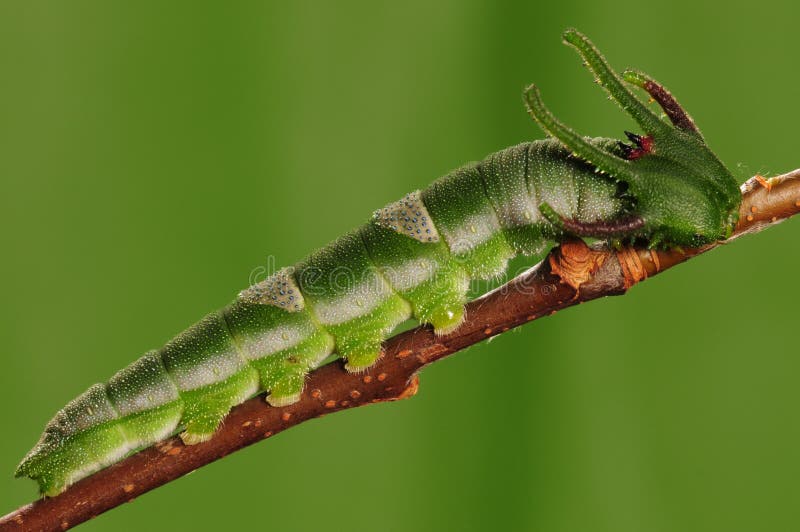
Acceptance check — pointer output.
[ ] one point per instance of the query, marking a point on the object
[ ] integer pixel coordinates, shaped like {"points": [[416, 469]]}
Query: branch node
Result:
{"points": [[574, 263], [633, 270]]}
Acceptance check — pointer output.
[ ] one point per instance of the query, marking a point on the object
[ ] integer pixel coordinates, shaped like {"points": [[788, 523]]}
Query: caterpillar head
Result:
{"points": [[683, 194]]}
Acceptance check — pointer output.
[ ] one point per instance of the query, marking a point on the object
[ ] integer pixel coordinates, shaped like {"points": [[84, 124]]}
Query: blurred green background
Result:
{"points": [[153, 154]]}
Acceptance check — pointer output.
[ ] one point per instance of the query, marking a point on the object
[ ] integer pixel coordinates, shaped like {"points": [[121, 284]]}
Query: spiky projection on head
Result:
{"points": [[683, 194]]}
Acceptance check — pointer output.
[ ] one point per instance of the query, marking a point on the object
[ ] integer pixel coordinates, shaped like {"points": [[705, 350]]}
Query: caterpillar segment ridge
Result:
{"points": [[414, 258]]}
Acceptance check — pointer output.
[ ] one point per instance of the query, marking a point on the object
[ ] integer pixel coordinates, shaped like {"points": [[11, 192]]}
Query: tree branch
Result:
{"points": [[572, 273]]}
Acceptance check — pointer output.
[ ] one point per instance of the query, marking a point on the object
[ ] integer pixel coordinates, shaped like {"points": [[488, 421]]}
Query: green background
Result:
{"points": [[153, 154]]}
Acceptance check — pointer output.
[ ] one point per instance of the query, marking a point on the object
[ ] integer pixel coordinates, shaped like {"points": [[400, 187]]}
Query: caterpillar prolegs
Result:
{"points": [[414, 258]]}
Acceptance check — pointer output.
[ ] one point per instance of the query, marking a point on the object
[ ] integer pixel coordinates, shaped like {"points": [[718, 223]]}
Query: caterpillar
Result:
{"points": [[415, 258]]}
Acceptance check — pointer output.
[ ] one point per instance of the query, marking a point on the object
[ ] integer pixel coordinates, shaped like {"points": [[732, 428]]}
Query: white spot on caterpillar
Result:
{"points": [[476, 230], [359, 300], [141, 386], [277, 338], [409, 217], [280, 290], [410, 274], [88, 410]]}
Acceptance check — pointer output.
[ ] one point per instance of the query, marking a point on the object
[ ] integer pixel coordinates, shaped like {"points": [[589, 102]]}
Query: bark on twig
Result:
{"points": [[572, 273]]}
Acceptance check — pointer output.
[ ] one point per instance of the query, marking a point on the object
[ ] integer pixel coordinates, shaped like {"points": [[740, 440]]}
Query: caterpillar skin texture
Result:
{"points": [[414, 258]]}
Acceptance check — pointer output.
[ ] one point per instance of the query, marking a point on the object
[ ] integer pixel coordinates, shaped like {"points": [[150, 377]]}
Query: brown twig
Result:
{"points": [[571, 274]]}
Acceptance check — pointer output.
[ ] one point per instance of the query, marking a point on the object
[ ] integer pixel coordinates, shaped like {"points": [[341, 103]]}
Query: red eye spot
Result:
{"points": [[642, 145], [646, 146]]}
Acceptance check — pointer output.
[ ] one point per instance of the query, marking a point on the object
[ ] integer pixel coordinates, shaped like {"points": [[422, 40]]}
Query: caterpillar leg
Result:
{"points": [[359, 341], [288, 390], [362, 361], [202, 420], [445, 318], [205, 407], [440, 301], [284, 376], [51, 485]]}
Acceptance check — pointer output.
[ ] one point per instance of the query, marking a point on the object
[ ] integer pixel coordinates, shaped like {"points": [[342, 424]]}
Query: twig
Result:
{"points": [[572, 273]]}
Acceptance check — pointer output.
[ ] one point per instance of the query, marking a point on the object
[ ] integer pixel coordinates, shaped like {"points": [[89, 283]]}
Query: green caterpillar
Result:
{"points": [[414, 258]]}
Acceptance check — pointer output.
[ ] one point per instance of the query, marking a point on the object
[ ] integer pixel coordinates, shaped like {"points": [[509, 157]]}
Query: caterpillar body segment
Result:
{"points": [[423, 274], [351, 299], [414, 259], [280, 346], [464, 215]]}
